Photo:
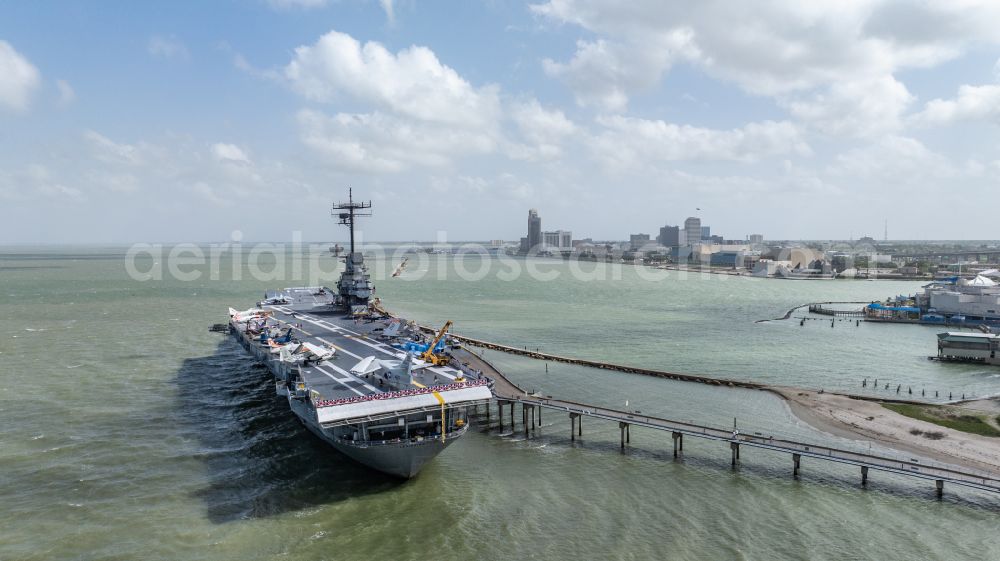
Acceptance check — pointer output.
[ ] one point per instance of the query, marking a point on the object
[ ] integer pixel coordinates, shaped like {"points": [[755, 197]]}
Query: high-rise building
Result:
{"points": [[706, 232], [756, 238], [534, 229], [670, 236], [638, 241], [692, 226]]}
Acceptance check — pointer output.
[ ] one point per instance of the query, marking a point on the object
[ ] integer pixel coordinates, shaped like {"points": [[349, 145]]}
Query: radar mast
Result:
{"points": [[353, 210], [355, 287]]}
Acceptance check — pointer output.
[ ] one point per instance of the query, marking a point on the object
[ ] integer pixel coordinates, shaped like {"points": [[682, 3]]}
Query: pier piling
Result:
{"points": [[678, 429]]}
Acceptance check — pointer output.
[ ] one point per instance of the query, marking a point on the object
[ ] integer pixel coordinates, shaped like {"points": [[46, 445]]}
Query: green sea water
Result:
{"points": [[128, 431]]}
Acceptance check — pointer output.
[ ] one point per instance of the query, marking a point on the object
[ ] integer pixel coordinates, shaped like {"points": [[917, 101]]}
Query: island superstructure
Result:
{"points": [[363, 381]]}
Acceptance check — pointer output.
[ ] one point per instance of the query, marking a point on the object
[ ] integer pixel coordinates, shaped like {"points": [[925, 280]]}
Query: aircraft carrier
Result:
{"points": [[373, 386]]}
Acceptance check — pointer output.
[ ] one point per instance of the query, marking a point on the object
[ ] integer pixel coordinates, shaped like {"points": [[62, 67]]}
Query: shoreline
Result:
{"points": [[849, 416], [855, 419]]}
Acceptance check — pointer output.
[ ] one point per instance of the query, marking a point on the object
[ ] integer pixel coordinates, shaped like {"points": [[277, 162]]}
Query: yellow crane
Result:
{"points": [[429, 356]]}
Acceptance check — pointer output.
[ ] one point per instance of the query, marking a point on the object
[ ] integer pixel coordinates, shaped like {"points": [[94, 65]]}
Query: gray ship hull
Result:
{"points": [[390, 428], [400, 459]]}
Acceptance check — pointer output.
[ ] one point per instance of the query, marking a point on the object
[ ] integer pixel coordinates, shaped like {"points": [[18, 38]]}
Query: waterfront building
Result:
{"points": [[841, 261], [680, 254], [729, 258], [705, 252], [977, 299], [692, 226], [816, 270], [769, 267], [561, 240], [969, 347]]}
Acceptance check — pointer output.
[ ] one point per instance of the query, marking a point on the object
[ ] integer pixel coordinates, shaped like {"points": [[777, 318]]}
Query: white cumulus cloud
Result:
{"points": [[892, 158], [379, 142], [833, 63], [230, 153], [416, 111], [855, 108], [972, 103], [603, 73], [411, 83], [542, 130], [18, 78], [633, 142]]}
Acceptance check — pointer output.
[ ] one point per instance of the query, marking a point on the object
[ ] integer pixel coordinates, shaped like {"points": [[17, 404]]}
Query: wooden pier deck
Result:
{"points": [[508, 394]]}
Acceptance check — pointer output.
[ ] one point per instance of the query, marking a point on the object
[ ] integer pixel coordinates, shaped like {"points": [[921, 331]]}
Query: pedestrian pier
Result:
{"points": [[824, 311], [508, 396]]}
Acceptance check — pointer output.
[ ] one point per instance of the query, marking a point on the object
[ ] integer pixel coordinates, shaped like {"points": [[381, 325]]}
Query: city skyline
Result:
{"points": [[805, 121]]}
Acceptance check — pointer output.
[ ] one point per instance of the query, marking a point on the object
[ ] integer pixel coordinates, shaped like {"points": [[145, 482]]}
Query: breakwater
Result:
{"points": [[809, 305]]}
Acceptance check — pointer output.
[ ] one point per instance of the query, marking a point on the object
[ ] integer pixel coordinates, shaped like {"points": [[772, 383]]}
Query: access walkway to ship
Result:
{"points": [[508, 394]]}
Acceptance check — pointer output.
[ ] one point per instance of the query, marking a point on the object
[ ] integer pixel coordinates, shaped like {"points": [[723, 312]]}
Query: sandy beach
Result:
{"points": [[869, 421]]}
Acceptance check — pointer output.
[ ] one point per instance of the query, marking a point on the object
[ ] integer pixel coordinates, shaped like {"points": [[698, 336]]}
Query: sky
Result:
{"points": [[125, 122]]}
